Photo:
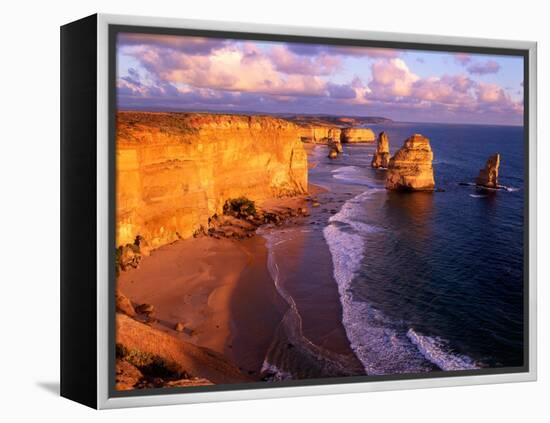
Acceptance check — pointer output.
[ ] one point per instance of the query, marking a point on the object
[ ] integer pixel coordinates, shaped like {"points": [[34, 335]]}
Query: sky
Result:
{"points": [[185, 73]]}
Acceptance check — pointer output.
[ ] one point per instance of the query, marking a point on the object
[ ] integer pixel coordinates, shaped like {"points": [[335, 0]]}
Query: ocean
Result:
{"points": [[423, 281]]}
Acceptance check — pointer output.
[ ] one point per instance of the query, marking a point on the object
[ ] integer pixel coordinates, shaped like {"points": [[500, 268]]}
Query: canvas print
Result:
{"points": [[298, 211]]}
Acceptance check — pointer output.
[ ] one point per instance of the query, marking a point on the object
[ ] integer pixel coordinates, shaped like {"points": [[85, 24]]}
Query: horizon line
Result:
{"points": [[248, 113]]}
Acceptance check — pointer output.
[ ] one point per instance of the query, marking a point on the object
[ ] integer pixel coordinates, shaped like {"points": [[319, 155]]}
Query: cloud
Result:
{"points": [[446, 89], [462, 58], [288, 62], [188, 44], [193, 73], [316, 49], [232, 68], [490, 93], [341, 91], [394, 85], [490, 66], [391, 78]]}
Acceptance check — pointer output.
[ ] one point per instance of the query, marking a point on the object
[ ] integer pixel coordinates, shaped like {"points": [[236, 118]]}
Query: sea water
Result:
{"points": [[426, 281]]}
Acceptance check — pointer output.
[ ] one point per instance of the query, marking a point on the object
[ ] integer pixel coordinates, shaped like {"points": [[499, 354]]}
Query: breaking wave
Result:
{"points": [[438, 351], [380, 344]]}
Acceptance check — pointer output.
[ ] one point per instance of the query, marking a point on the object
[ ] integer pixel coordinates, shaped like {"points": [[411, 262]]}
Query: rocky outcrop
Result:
{"points": [[174, 171], [334, 144], [488, 176], [333, 153], [124, 305], [334, 135], [318, 134], [410, 169], [182, 359], [351, 135], [381, 156]]}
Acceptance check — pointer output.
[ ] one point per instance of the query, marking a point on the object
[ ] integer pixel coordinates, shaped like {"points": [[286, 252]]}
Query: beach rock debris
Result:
{"points": [[124, 305], [381, 156], [333, 153], [136, 369], [410, 169], [241, 217], [129, 256], [147, 309], [488, 176]]}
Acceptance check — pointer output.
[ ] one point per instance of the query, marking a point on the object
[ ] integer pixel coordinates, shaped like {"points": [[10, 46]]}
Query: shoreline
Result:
{"points": [[218, 288]]}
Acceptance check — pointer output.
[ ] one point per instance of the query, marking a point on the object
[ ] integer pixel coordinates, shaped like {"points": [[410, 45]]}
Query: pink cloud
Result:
{"points": [[394, 84], [490, 93], [463, 58], [288, 62], [391, 78], [231, 68], [188, 44]]}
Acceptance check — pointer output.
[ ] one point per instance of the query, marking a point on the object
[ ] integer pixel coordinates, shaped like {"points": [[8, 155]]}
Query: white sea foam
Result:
{"points": [[274, 373], [438, 352], [350, 174], [379, 347], [478, 195]]}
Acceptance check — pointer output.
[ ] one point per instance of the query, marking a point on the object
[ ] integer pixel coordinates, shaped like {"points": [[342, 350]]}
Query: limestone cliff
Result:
{"points": [[410, 169], [351, 135], [488, 176], [318, 134], [381, 156], [176, 170]]}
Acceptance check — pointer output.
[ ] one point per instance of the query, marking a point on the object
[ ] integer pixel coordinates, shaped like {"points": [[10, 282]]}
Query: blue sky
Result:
{"points": [[162, 72]]}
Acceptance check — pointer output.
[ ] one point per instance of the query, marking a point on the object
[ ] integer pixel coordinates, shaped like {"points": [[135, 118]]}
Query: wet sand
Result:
{"points": [[218, 288], [224, 294]]}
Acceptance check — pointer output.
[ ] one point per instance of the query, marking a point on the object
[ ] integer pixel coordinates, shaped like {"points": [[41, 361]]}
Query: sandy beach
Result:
{"points": [[215, 288], [220, 289]]}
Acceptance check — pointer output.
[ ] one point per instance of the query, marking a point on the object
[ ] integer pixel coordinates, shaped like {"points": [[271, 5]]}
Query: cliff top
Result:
{"points": [[131, 124]]}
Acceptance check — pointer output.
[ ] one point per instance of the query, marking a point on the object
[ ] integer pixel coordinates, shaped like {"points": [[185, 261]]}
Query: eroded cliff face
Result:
{"points": [[319, 134], [488, 176], [381, 157], [351, 135], [410, 169], [176, 170]]}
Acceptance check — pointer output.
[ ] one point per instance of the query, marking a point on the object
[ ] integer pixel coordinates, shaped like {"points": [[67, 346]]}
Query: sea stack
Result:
{"points": [[352, 135], [333, 141], [410, 169], [381, 157], [488, 176]]}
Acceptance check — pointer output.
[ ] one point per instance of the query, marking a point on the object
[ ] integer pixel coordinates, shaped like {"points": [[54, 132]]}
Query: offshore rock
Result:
{"points": [[381, 157], [488, 176], [410, 169]]}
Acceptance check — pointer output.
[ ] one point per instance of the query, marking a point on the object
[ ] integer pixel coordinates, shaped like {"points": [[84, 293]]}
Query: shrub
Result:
{"points": [[240, 207], [149, 364]]}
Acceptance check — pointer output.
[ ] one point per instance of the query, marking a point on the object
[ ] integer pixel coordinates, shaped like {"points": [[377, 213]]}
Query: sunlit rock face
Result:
{"points": [[176, 170], [381, 156], [334, 140], [319, 134], [410, 169], [333, 153], [352, 135], [488, 176]]}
